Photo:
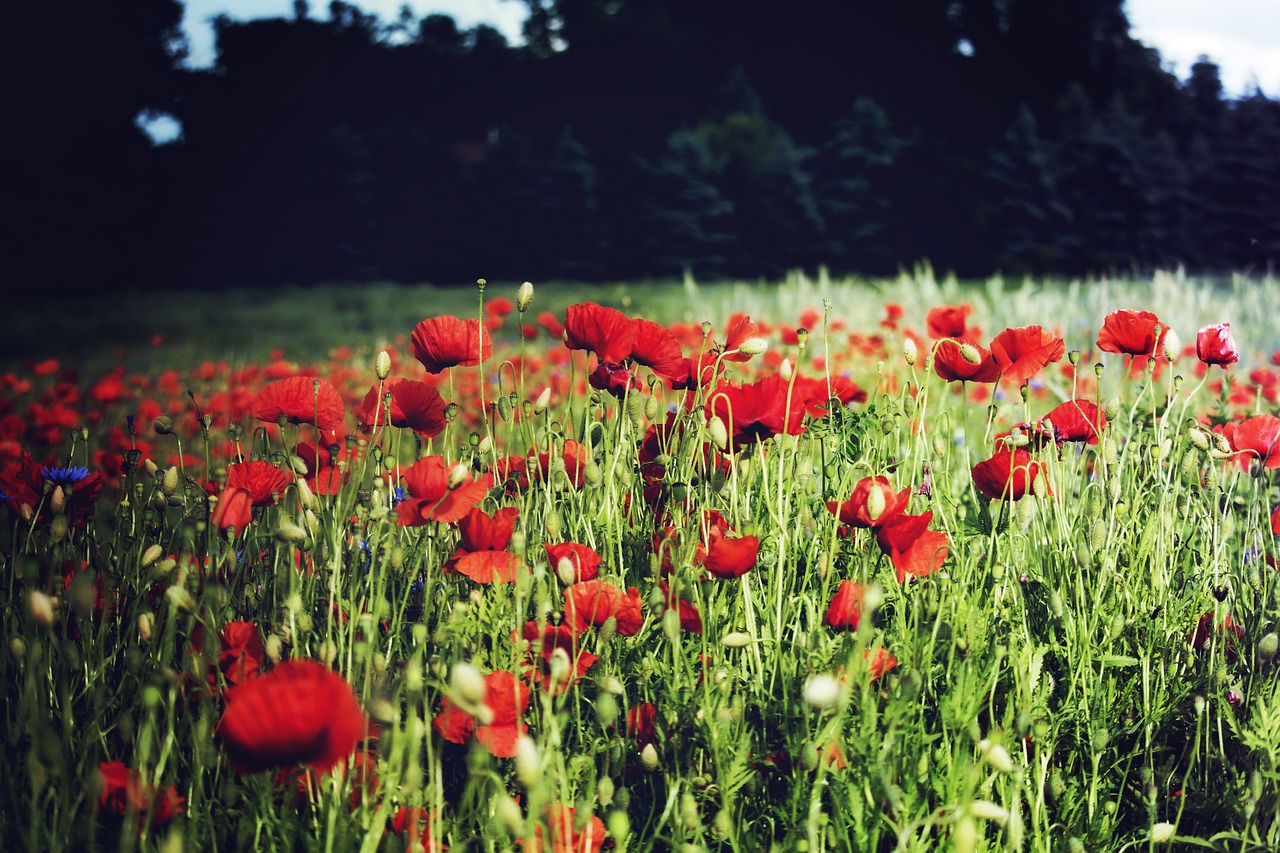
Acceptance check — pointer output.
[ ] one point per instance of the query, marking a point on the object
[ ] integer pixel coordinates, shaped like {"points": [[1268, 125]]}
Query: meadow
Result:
{"points": [[816, 565]]}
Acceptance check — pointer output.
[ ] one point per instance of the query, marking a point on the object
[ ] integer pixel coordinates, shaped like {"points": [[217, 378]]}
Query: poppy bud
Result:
{"points": [[528, 761], [42, 609], [821, 691], [274, 647], [58, 528], [996, 755], [1267, 648], [18, 649], [146, 622], [604, 790], [180, 599], [649, 757], [163, 425], [382, 365], [458, 476], [169, 485], [753, 346], [875, 503], [964, 835], [910, 352], [524, 296], [290, 532], [609, 684], [1097, 535], [1111, 408], [1162, 833], [467, 684], [1172, 345], [1199, 438], [988, 810], [735, 639], [719, 433], [544, 400], [150, 555], [58, 500], [970, 354]]}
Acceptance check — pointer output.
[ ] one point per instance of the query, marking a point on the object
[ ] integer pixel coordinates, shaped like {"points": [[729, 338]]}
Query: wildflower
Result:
{"points": [[948, 321], [1076, 420], [857, 510], [441, 342], [912, 547], [249, 484], [594, 602], [482, 554], [1229, 630], [690, 618], [952, 364], [1257, 438], [1131, 332], [416, 405], [1021, 352], [1214, 345], [431, 499], [656, 348], [607, 332], [124, 791], [757, 411], [414, 824], [845, 610], [543, 645], [299, 712], [506, 699], [1007, 475], [584, 562], [240, 650], [614, 379], [738, 331], [300, 400], [642, 723], [566, 837]]}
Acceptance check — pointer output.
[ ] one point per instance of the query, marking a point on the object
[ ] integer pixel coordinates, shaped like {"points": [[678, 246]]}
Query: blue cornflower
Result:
{"points": [[397, 495], [64, 476]]}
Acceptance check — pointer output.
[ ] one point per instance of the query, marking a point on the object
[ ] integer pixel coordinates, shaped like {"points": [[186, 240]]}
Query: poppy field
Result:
{"points": [[825, 566]]}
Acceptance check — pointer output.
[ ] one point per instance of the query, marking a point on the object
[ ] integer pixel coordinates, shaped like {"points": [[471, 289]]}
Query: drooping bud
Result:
{"points": [[1199, 438], [719, 433], [753, 346], [181, 599], [875, 503], [146, 622], [566, 571], [290, 532], [58, 500], [458, 475], [169, 485], [1162, 833], [649, 757], [996, 755], [970, 354], [785, 370]]}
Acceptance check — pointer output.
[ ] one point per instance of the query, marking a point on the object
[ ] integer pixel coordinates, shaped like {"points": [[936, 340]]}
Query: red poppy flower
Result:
{"points": [[1257, 438], [23, 483], [740, 329], [416, 405], [565, 837], [575, 457], [249, 484], [1021, 352], [947, 321], [691, 374], [1229, 630], [1076, 420], [1132, 333], [690, 618], [1007, 475], [656, 348], [548, 645], [300, 400], [642, 724], [950, 364], [124, 791], [300, 712], [612, 378], [817, 393], [729, 557], [507, 698], [1275, 521], [757, 411], [431, 499], [845, 609], [607, 332], [855, 511], [240, 650], [440, 342], [482, 554], [593, 602], [1214, 345], [499, 306], [551, 323], [912, 547], [879, 661], [415, 824], [585, 561]]}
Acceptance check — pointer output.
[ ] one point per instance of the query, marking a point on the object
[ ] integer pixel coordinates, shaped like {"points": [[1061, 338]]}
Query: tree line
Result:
{"points": [[626, 139]]}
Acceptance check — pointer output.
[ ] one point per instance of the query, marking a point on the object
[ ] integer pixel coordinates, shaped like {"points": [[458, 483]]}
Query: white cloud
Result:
{"points": [[1241, 36]]}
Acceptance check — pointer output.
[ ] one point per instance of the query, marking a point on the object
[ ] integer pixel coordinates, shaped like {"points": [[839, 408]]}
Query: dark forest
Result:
{"points": [[623, 140]]}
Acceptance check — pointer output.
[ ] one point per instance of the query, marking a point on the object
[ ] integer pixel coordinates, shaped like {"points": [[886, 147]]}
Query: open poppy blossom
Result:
{"points": [[507, 698], [656, 348], [614, 379], [430, 497], [482, 554], [575, 456], [690, 618], [415, 824], [554, 660], [565, 836], [1214, 345], [757, 411], [447, 341], [301, 712], [1256, 438], [1007, 475], [912, 547], [1229, 630], [124, 791], [1023, 351], [594, 602], [584, 561], [948, 321], [240, 650], [817, 393], [300, 400], [642, 724], [249, 484], [949, 363], [416, 405], [738, 331], [1131, 333], [1076, 420], [845, 610], [607, 332], [857, 512]]}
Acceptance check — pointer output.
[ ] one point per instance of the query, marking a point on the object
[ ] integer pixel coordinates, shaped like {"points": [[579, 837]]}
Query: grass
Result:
{"points": [[1046, 692]]}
